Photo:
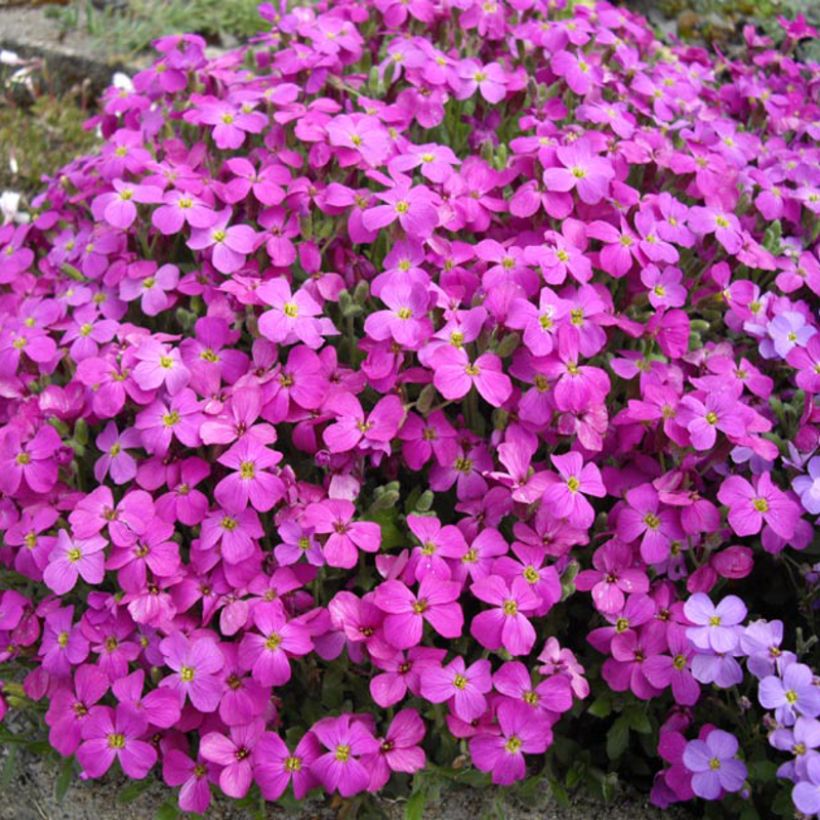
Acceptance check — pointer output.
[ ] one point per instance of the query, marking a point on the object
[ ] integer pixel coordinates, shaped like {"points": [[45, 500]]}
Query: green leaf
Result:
{"points": [[167, 811], [414, 808], [9, 768], [638, 719], [617, 738], [601, 707], [64, 779], [130, 792]]}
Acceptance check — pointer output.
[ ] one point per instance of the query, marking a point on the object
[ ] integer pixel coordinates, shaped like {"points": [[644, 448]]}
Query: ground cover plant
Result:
{"points": [[423, 394]]}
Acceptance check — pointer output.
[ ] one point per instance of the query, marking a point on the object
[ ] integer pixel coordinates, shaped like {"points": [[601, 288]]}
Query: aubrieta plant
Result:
{"points": [[423, 393]]}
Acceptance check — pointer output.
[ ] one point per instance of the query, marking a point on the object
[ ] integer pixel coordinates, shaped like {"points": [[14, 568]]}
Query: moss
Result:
{"points": [[37, 139]]}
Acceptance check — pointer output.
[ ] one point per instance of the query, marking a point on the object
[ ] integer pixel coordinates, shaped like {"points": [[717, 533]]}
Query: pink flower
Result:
{"points": [[464, 686], [752, 506], [180, 207], [435, 603], [110, 735], [30, 461], [347, 741], [399, 750], [335, 517], [613, 577], [158, 366], [406, 321], [230, 245], [506, 624], [351, 429], [454, 375], [644, 519], [150, 287], [715, 627], [268, 654], [292, 316], [521, 732], [116, 461], [582, 170], [489, 79], [568, 494], [179, 770], [118, 208], [195, 664], [725, 226], [251, 482], [414, 207], [717, 411], [72, 559], [234, 755], [275, 766]]}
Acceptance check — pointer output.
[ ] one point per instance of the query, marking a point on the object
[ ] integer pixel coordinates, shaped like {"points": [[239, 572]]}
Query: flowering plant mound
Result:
{"points": [[426, 390]]}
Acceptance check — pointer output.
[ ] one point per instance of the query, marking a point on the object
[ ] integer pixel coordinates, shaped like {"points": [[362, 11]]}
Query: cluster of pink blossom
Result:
{"points": [[354, 353]]}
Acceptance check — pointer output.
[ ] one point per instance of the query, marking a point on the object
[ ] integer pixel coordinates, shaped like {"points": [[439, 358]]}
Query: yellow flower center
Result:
{"points": [[291, 309], [186, 673], [460, 682]]}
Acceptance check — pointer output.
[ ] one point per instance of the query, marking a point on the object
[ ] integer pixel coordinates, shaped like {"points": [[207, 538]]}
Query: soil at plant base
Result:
{"points": [[30, 796]]}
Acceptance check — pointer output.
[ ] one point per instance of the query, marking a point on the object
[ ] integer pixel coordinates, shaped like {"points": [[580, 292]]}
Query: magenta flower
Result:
{"points": [[70, 707], [251, 482], [162, 421], [158, 366], [267, 655], [234, 754], [347, 537], [399, 750], [643, 518], [613, 578], [725, 226], [435, 603], [116, 461], [31, 461], [490, 81], [521, 732], [275, 766], [506, 624], [406, 320], [347, 741], [464, 686], [115, 734], [159, 706], [714, 765], [180, 207], [231, 123], [352, 429], [454, 375], [74, 558], [674, 669], [195, 664], [665, 288], [568, 493], [230, 245], [236, 535], [752, 506], [193, 777], [583, 171], [151, 287], [718, 411], [415, 208], [292, 316], [119, 207]]}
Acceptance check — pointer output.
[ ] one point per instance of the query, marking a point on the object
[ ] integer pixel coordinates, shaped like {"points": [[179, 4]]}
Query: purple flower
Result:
{"points": [[715, 626], [714, 765], [794, 693]]}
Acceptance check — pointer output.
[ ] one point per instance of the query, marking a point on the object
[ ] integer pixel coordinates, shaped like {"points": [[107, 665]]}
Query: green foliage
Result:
{"points": [[36, 139], [130, 31]]}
